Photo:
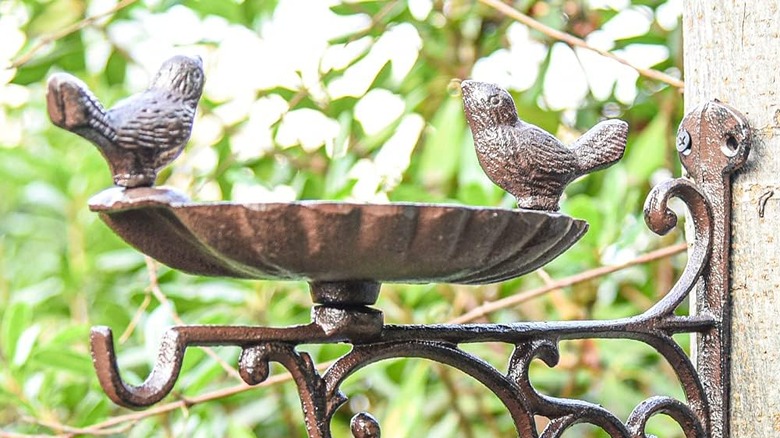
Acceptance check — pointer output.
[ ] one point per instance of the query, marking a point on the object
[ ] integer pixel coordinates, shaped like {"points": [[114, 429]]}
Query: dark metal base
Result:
{"points": [[713, 141], [362, 326]]}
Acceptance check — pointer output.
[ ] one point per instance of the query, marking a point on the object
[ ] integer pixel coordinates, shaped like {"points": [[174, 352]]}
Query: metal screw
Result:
{"points": [[683, 142]]}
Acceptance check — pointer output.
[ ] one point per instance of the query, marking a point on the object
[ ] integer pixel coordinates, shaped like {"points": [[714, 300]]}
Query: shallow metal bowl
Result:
{"points": [[334, 241]]}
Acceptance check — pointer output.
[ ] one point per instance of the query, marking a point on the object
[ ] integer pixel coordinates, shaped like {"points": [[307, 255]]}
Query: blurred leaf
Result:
{"points": [[337, 183], [62, 359], [56, 15], [531, 113], [343, 106], [581, 207], [25, 344], [202, 374], [382, 76], [370, 7], [116, 66], [237, 430], [441, 151], [123, 260], [32, 72], [648, 152], [16, 319], [658, 40], [229, 10], [258, 9], [405, 410]]}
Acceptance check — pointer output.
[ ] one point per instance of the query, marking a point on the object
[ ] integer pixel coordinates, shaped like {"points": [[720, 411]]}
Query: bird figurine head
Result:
{"points": [[182, 74], [487, 105], [527, 161]]}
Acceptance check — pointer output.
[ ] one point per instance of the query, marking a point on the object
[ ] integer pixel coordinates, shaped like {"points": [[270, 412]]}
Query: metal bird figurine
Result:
{"points": [[527, 161], [141, 134]]}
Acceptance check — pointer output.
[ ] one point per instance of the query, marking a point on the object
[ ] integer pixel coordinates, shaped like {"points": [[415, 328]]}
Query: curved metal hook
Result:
{"points": [[661, 220], [155, 387]]}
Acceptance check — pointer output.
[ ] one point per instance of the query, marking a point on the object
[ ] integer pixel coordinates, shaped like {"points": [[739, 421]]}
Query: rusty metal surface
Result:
{"points": [[337, 242], [527, 161], [720, 140], [141, 134], [713, 142]]}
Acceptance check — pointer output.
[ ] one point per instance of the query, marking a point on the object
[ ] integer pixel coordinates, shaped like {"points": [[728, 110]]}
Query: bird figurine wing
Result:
{"points": [[152, 127], [549, 157], [601, 146], [537, 169]]}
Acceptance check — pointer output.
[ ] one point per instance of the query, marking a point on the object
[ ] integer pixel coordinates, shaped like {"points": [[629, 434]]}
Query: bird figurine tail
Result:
{"points": [[73, 107], [601, 146]]}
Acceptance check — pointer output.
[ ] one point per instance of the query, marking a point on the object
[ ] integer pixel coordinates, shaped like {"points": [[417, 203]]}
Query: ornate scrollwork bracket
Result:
{"points": [[713, 141]]}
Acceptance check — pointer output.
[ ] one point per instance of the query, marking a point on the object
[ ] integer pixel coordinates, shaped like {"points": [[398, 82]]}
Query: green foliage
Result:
{"points": [[62, 270]]}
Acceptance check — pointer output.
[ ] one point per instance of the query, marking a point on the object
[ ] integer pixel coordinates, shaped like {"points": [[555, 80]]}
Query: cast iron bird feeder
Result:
{"points": [[345, 251], [345, 244]]}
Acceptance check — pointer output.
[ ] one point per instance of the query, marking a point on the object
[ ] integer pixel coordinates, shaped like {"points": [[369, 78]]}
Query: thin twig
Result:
{"points": [[70, 430], [154, 286], [62, 33], [514, 300], [136, 318], [571, 40], [172, 406], [375, 20], [466, 427], [566, 309], [4, 434]]}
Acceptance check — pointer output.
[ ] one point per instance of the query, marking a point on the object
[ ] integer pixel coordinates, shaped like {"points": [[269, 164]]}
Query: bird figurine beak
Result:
{"points": [[465, 87]]}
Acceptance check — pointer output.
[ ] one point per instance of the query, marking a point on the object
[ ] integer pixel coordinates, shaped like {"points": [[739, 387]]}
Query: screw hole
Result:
{"points": [[731, 147]]}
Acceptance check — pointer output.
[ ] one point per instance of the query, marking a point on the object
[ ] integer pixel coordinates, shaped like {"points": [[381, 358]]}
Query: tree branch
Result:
{"points": [[154, 287], [62, 33], [577, 42], [514, 300], [181, 404]]}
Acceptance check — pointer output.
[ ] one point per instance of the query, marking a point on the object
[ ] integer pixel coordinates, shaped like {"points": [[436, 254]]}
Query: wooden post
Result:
{"points": [[732, 53]]}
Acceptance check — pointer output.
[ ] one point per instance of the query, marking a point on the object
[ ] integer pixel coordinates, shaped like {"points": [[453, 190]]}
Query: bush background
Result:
{"points": [[264, 134]]}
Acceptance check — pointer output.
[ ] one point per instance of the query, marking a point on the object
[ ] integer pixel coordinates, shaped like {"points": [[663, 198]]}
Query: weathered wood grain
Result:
{"points": [[732, 52]]}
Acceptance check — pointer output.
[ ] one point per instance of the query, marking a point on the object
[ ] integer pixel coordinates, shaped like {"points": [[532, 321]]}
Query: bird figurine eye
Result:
{"points": [[495, 100]]}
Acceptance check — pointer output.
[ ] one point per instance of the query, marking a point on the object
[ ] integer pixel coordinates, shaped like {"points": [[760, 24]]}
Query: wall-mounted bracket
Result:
{"points": [[713, 142]]}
